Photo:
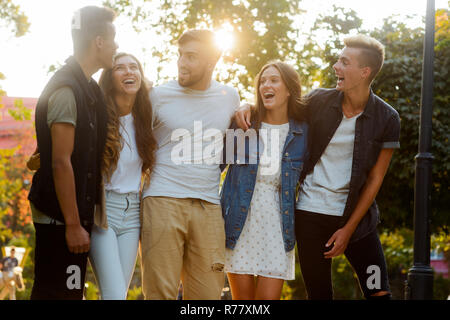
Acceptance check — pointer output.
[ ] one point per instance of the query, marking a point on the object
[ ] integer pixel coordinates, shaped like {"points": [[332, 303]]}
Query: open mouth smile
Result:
{"points": [[129, 81]]}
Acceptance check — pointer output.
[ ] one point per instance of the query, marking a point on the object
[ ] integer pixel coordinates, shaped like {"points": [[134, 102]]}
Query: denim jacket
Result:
{"points": [[237, 189]]}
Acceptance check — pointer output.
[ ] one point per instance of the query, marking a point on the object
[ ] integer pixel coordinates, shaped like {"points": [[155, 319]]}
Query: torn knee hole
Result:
{"points": [[380, 293], [217, 267]]}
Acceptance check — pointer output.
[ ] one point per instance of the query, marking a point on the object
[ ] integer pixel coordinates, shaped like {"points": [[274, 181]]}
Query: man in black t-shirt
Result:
{"points": [[9, 263]]}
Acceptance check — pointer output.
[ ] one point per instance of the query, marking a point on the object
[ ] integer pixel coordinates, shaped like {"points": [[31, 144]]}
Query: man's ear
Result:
{"points": [[99, 42], [366, 72]]}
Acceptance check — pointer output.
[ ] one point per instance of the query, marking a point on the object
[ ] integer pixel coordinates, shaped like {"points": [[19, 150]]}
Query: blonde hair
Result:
{"points": [[372, 52]]}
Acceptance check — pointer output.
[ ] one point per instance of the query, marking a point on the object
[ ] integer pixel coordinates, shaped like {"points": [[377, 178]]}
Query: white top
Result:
{"points": [[127, 176], [189, 126], [326, 188], [260, 247]]}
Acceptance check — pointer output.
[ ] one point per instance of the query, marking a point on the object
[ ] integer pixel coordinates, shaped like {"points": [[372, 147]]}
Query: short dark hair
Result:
{"points": [[88, 23], [206, 37]]}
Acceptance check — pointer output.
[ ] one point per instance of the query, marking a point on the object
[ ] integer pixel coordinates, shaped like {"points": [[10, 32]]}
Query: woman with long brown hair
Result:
{"points": [[258, 199], [127, 161]]}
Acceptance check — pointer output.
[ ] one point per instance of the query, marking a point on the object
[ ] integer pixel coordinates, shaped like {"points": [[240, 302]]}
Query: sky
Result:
{"points": [[25, 60]]}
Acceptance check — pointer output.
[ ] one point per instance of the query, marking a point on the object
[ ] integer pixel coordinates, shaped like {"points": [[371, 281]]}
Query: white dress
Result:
{"points": [[260, 247]]}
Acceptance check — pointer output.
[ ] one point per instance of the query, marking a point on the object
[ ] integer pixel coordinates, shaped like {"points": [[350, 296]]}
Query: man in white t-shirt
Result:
{"points": [[183, 233]]}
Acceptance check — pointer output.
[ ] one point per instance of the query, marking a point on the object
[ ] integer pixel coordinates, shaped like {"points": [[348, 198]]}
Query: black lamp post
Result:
{"points": [[419, 285]]}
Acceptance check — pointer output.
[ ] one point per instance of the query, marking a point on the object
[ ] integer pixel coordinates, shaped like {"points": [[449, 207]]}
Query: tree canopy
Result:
{"points": [[263, 29], [10, 14]]}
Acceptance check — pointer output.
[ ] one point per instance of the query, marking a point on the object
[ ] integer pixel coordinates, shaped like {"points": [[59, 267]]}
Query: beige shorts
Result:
{"points": [[182, 239]]}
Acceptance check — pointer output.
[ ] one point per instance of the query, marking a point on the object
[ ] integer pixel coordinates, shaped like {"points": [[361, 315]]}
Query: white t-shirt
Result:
{"points": [[127, 176], [325, 189], [189, 126]]}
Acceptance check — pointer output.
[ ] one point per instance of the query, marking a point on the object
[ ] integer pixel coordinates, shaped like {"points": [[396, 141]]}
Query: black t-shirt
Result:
{"points": [[9, 264]]}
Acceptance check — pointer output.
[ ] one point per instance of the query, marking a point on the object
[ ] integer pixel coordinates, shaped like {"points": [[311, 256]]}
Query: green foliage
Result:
{"points": [[441, 288], [11, 14], [398, 250], [2, 92], [262, 29], [91, 291], [399, 83], [318, 59], [15, 216], [135, 293], [20, 112]]}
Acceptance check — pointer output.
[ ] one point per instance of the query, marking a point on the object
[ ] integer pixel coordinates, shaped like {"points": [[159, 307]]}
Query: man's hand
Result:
{"points": [[340, 239], [242, 116], [77, 239], [370, 189]]}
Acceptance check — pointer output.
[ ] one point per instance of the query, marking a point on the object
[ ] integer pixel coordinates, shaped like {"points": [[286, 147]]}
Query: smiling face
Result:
{"points": [[349, 72], [273, 90], [193, 64], [126, 76]]}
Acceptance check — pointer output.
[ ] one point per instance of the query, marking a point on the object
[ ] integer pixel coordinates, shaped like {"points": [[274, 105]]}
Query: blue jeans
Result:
{"points": [[113, 251]]}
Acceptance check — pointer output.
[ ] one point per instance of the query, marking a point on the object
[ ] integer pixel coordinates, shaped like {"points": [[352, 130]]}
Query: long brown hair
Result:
{"points": [[142, 119], [291, 79]]}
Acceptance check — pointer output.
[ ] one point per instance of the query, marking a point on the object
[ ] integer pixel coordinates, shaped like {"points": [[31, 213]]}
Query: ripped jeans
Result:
{"points": [[182, 239]]}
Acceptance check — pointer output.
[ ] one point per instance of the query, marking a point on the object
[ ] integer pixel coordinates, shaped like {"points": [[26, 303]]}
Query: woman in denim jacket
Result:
{"points": [[259, 191]]}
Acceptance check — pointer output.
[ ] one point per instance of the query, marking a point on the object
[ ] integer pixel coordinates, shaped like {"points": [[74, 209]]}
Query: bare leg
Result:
{"points": [[242, 286], [268, 288], [380, 293]]}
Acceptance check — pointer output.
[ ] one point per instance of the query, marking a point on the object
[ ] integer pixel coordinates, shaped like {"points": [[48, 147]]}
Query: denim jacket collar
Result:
{"points": [[294, 127]]}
